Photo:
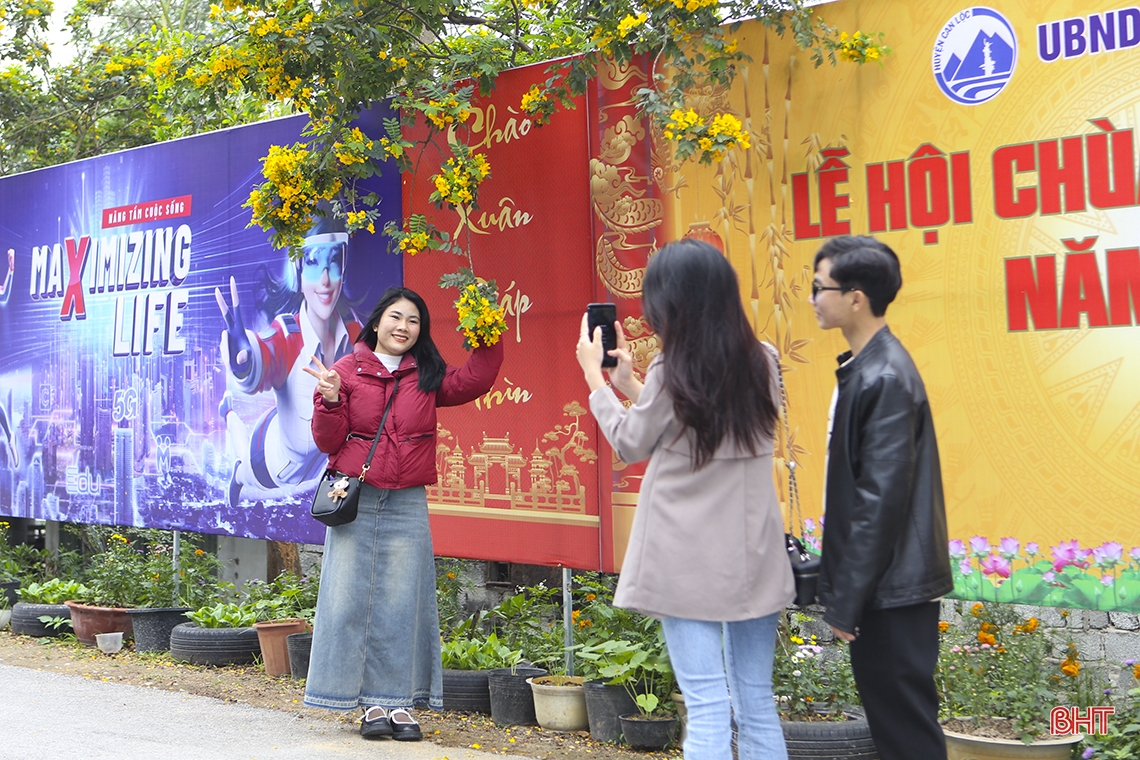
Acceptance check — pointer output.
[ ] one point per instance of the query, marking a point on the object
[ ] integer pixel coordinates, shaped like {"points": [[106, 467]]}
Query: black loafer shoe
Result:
{"points": [[404, 726], [375, 724]]}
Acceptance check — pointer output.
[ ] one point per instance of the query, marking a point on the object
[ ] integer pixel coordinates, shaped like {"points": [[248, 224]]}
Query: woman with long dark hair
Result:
{"points": [[376, 634], [706, 549]]}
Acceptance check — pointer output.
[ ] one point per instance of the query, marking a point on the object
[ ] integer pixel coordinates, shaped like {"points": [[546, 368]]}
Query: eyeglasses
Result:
{"points": [[816, 289]]}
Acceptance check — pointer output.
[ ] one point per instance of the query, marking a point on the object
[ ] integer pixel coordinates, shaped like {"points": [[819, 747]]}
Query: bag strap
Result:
{"points": [[795, 517], [379, 431]]}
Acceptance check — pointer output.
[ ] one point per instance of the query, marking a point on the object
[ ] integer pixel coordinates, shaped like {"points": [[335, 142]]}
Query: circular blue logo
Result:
{"points": [[974, 56]]}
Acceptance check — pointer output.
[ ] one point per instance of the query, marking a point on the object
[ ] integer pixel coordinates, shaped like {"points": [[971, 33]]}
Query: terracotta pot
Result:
{"points": [[88, 620], [272, 637], [964, 747]]}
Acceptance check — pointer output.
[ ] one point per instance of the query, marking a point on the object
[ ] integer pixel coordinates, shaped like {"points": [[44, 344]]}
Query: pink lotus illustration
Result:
{"points": [[1009, 547], [996, 564], [1108, 554], [980, 546], [1069, 553]]}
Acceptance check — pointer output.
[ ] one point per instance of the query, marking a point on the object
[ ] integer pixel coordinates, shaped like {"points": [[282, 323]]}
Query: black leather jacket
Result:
{"points": [[884, 541]]}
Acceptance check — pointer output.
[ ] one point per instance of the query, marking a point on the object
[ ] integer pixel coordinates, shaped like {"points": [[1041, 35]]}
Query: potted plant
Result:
{"points": [[467, 663], [283, 606], [611, 644], [998, 685], [166, 594], [218, 634], [816, 697], [115, 580], [41, 603], [1120, 738], [530, 621], [5, 611], [559, 702], [625, 672]]}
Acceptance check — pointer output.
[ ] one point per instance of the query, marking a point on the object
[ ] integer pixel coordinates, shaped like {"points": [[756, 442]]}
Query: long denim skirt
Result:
{"points": [[376, 632]]}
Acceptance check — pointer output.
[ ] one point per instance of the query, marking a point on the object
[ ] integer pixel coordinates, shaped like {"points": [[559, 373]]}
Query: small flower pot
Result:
{"points": [[559, 703], [271, 636], [604, 705], [152, 627], [300, 647], [512, 701], [642, 732]]}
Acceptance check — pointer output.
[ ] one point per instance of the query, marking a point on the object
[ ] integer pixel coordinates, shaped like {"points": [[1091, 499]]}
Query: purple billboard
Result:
{"points": [[152, 344]]}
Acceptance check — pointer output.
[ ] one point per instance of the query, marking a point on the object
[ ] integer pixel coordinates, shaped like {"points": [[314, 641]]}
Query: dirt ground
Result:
{"points": [[249, 685]]}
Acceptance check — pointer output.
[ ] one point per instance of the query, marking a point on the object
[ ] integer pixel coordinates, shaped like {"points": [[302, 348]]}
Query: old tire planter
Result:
{"points": [[466, 690], [300, 647], [214, 646], [648, 733], [152, 627], [512, 701], [26, 618], [604, 706], [830, 739]]}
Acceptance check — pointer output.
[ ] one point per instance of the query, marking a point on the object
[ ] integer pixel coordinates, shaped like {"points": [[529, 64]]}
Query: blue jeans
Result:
{"points": [[725, 669]]}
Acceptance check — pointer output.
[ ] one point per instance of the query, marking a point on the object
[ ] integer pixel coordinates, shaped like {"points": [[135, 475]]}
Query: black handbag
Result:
{"points": [[338, 495], [805, 564]]}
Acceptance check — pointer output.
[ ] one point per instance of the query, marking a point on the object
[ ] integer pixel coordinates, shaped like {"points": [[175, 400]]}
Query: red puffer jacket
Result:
{"points": [[405, 456]]}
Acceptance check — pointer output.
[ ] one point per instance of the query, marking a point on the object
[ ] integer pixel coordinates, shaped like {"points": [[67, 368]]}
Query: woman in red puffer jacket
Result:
{"points": [[376, 634]]}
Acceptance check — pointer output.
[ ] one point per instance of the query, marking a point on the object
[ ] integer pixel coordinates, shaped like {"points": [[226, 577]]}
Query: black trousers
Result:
{"points": [[893, 660]]}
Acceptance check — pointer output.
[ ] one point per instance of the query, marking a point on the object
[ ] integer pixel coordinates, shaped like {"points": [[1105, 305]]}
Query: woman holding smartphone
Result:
{"points": [[706, 550]]}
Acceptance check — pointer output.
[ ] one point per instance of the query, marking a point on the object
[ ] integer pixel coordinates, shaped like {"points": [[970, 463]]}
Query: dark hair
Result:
{"points": [[431, 365], [863, 263], [714, 369]]}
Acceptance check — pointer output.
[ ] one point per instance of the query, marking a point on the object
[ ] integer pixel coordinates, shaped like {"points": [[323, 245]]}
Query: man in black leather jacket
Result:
{"points": [[885, 553]]}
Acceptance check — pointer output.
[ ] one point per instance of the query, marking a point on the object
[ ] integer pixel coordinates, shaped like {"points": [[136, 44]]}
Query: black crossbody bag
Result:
{"points": [[805, 565], [338, 495]]}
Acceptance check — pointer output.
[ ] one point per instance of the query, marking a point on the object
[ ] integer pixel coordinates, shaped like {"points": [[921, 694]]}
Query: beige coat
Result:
{"points": [[705, 544]]}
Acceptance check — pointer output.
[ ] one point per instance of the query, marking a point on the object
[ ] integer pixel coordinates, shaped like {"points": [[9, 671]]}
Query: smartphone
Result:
{"points": [[604, 315]]}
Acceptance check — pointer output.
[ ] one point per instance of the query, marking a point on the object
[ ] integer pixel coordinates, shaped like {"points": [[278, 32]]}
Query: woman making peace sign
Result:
{"points": [[376, 638]]}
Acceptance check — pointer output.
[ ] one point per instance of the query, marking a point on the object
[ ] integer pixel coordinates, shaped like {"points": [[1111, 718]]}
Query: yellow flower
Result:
{"points": [[629, 23], [943, 626], [976, 610]]}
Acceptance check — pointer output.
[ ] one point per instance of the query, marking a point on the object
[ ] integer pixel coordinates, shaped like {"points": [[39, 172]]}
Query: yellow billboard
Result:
{"points": [[994, 150]]}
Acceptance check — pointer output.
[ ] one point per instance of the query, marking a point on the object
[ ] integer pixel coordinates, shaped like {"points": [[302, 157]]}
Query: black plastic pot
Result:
{"points": [[830, 739], [648, 733], [26, 618], [152, 626], [604, 705], [214, 646], [8, 589], [466, 690], [300, 647], [512, 700]]}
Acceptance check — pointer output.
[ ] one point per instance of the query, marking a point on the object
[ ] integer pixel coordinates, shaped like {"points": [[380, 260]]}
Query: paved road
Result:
{"points": [[49, 716]]}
